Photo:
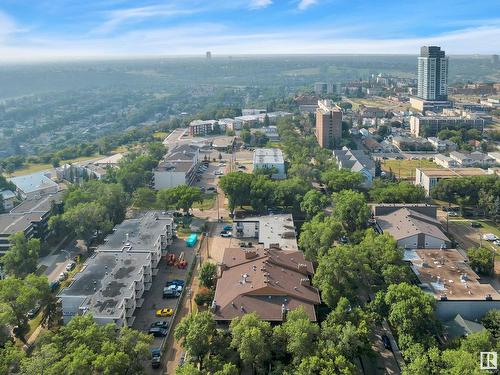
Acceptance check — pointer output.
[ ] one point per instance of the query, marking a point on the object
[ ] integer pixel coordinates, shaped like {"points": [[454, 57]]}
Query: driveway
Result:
{"points": [[153, 299], [56, 262]]}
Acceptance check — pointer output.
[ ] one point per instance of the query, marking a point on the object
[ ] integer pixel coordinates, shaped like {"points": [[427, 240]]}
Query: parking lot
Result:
{"points": [[153, 299]]}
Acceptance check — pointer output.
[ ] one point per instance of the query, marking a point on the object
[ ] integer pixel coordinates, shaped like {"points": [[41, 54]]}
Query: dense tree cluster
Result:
{"points": [[477, 191], [298, 346], [396, 192], [260, 192], [81, 347]]}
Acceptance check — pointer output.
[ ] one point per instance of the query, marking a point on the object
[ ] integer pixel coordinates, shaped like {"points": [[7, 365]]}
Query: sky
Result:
{"points": [[74, 29]]}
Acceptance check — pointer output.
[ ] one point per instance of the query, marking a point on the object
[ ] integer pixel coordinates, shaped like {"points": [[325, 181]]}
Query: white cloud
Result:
{"points": [[195, 39], [259, 4], [118, 17], [304, 4], [8, 25]]}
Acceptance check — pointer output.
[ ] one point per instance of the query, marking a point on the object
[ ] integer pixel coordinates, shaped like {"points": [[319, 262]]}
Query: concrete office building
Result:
{"points": [[432, 74], [328, 124]]}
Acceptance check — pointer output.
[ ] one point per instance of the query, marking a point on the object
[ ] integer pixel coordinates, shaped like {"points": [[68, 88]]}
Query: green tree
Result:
{"points": [[318, 235], [410, 311], [481, 260], [84, 347], [195, 332], [397, 192], [181, 197], [10, 358], [22, 256], [187, 369], [342, 179], [326, 362], [87, 219], [18, 296], [491, 322], [208, 275], [144, 197], [237, 187], [156, 150], [299, 334], [313, 203], [351, 209], [251, 337], [262, 193]]}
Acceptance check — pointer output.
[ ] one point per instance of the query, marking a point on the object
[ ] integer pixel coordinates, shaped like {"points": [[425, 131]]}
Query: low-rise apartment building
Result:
{"points": [[31, 217], [475, 158], [429, 177], [445, 161], [34, 185], [269, 158], [356, 161], [442, 145], [267, 281], [202, 127], [178, 167], [271, 230], [111, 283], [413, 226], [426, 126], [445, 273]]}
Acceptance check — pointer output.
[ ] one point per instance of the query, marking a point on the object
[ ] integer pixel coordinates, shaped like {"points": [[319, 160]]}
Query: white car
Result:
{"points": [[62, 276], [489, 237]]}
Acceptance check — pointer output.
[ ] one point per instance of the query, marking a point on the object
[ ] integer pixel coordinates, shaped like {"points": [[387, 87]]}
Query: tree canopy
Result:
{"points": [[22, 256], [396, 192], [350, 208]]}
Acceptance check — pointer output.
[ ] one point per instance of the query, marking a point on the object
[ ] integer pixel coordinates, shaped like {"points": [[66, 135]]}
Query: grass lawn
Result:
{"points": [[32, 168], [406, 168], [208, 202], [160, 135]]}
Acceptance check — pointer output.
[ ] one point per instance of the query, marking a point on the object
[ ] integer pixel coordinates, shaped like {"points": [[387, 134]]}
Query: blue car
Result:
{"points": [[228, 227]]}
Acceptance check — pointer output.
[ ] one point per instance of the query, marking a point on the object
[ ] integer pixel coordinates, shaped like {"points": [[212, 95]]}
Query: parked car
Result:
{"points": [[386, 342], [33, 312], [170, 293], [165, 312], [70, 266], [54, 285], [497, 242], [158, 332], [453, 213], [155, 358], [62, 276], [490, 237], [228, 227], [178, 282], [242, 167], [160, 324], [225, 234], [175, 288], [211, 188], [475, 224]]}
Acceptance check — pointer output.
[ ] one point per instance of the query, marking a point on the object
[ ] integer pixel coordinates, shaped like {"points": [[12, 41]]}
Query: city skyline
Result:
{"points": [[68, 29]]}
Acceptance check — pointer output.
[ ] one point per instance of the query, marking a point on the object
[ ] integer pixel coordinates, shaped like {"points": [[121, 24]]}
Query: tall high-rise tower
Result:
{"points": [[432, 74], [328, 124]]}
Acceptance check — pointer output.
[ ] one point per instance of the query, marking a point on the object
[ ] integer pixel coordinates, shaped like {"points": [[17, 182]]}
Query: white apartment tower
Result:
{"points": [[432, 74]]}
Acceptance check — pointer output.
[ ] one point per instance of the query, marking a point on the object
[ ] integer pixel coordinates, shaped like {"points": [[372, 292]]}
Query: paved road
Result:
{"points": [[57, 261]]}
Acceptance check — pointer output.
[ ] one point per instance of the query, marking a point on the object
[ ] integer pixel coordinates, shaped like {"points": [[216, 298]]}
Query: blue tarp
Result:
{"points": [[191, 240]]}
